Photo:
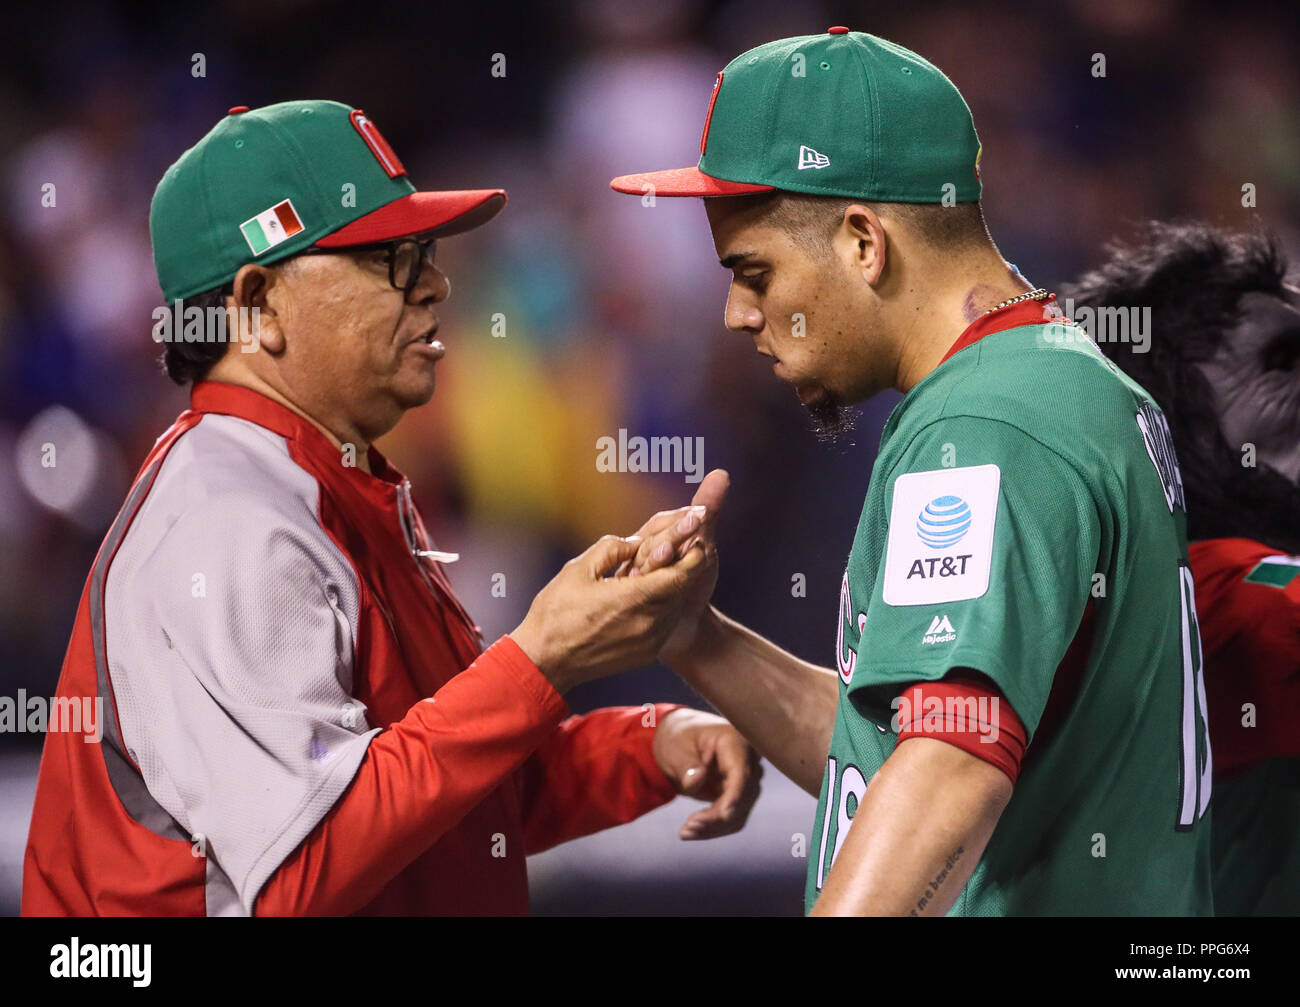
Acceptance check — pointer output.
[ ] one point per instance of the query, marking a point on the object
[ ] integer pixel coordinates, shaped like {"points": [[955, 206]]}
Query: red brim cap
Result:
{"points": [[683, 182], [436, 214]]}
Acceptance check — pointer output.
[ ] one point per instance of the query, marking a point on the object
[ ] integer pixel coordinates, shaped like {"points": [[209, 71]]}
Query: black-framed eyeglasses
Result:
{"points": [[406, 258]]}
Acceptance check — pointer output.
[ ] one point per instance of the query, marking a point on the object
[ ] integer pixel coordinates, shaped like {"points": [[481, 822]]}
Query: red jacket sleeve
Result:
{"points": [[418, 779], [593, 772]]}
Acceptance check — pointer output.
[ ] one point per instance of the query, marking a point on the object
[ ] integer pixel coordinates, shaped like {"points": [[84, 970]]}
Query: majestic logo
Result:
{"points": [[940, 631], [271, 227], [809, 158], [377, 144], [944, 522]]}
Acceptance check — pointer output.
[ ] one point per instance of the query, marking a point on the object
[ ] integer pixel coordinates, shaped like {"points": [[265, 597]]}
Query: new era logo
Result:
{"points": [[809, 158]]}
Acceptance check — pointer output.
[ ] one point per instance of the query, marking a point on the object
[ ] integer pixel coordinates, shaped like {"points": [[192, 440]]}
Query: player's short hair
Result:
{"points": [[812, 220], [185, 362], [1192, 276]]}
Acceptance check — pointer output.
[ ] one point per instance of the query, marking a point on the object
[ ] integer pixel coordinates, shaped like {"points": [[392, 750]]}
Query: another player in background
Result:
{"points": [[1022, 546], [1221, 354]]}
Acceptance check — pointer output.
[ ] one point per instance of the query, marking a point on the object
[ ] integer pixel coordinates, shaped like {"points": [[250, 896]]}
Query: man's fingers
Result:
{"points": [[668, 580], [712, 490], [608, 552], [657, 525], [666, 546], [660, 521], [739, 775], [734, 765], [672, 541], [667, 535], [695, 783]]}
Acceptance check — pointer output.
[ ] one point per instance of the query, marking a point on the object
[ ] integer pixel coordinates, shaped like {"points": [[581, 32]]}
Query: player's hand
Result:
{"points": [[586, 624], [706, 758], [669, 535]]}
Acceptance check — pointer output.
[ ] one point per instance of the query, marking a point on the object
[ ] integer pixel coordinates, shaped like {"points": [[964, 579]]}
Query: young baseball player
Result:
{"points": [[1015, 723]]}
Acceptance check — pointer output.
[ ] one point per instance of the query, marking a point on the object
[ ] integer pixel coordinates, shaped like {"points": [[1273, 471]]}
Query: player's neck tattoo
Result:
{"points": [[979, 299]]}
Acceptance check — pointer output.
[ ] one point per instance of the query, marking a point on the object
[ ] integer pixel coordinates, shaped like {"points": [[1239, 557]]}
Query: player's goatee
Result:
{"points": [[832, 422]]}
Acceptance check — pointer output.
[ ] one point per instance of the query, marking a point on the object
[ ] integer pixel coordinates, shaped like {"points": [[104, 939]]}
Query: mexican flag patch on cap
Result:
{"points": [[270, 227]]}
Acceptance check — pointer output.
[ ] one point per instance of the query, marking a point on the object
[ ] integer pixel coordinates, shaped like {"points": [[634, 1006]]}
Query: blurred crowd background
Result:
{"points": [[613, 309]]}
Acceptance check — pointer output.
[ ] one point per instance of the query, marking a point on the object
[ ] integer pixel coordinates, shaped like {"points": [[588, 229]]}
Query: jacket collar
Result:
{"points": [[383, 480]]}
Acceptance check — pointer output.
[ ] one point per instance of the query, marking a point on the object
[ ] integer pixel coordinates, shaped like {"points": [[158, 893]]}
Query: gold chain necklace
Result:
{"points": [[1030, 295]]}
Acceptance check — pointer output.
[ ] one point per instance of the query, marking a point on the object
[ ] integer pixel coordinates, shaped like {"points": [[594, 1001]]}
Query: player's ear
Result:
{"points": [[253, 292], [861, 241]]}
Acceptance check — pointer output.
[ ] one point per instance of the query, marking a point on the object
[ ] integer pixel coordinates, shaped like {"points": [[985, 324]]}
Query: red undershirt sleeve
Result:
{"points": [[965, 709], [418, 779], [593, 772]]}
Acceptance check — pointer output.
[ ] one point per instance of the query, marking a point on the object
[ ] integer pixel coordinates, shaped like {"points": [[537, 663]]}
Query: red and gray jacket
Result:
{"points": [[299, 717]]}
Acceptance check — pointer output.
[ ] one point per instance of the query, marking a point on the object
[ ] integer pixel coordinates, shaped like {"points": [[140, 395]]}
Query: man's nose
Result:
{"points": [[742, 315], [433, 286]]}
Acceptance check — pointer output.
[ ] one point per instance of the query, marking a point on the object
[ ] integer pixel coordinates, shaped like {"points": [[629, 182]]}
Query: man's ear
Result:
{"points": [[862, 241], [253, 286]]}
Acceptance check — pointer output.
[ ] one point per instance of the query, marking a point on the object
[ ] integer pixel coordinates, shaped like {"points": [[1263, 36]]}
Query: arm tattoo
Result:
{"points": [[933, 889]]}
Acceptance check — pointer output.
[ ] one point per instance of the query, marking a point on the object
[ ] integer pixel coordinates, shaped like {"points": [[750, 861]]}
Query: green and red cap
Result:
{"points": [[838, 114], [266, 183]]}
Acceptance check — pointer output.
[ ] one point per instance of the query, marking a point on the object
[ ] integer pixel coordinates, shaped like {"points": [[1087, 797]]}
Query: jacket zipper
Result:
{"points": [[406, 512]]}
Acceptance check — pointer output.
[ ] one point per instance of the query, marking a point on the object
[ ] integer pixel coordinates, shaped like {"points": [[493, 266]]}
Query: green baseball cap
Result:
{"points": [[839, 114], [267, 183]]}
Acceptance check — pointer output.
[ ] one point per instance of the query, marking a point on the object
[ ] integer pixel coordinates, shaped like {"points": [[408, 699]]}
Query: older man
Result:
{"points": [[301, 717]]}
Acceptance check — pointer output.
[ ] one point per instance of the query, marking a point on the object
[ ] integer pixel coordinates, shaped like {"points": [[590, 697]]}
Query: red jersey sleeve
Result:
{"points": [[593, 772], [418, 779], [965, 709]]}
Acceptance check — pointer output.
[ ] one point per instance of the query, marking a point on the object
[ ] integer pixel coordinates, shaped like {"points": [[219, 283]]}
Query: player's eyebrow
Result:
{"points": [[734, 259]]}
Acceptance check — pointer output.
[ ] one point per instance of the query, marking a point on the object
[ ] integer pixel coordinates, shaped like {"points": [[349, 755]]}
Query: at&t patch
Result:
{"points": [[941, 535]]}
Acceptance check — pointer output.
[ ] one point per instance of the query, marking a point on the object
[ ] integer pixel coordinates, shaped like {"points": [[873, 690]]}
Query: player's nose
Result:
{"points": [[741, 316]]}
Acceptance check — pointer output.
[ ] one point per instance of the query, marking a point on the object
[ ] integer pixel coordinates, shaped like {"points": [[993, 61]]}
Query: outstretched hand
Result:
{"points": [[707, 759], [668, 537]]}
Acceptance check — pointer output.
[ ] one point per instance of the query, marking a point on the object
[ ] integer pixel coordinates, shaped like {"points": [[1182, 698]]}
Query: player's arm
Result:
{"points": [[917, 835], [784, 706]]}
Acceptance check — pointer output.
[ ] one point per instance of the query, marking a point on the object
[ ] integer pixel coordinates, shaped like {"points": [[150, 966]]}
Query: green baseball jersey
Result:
{"points": [[1022, 484]]}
